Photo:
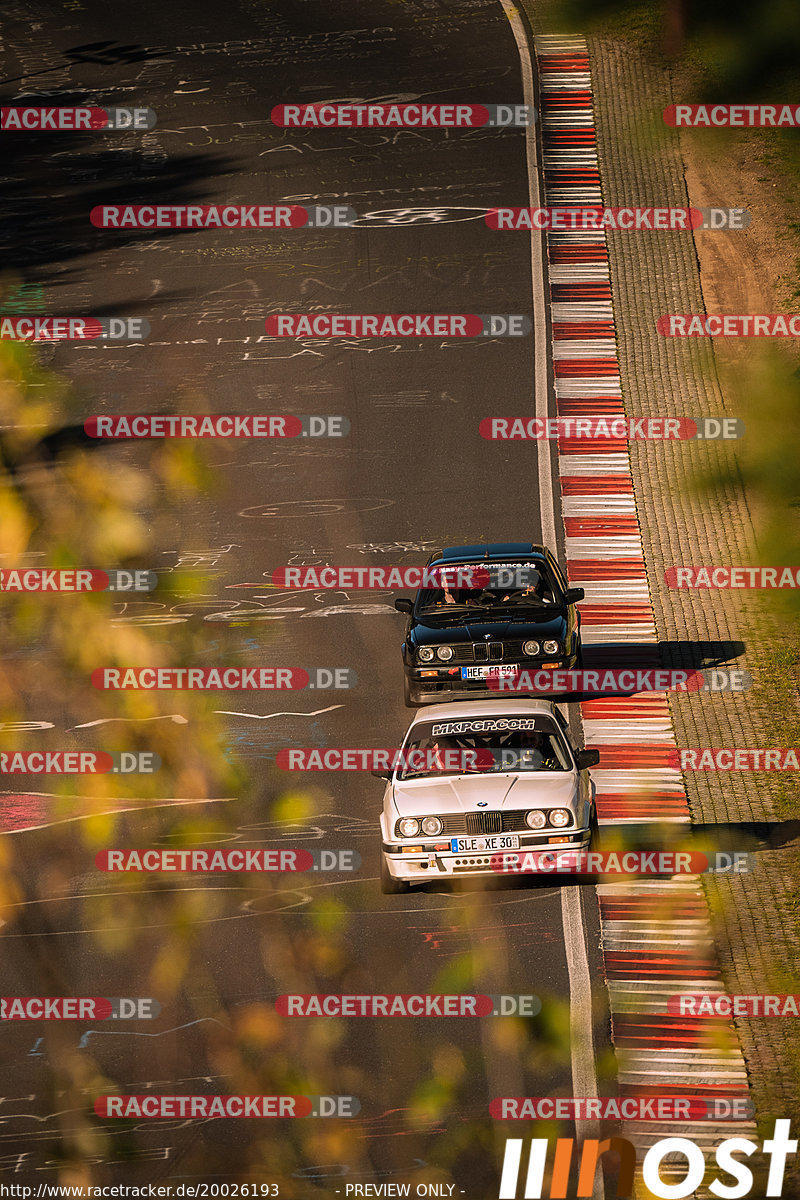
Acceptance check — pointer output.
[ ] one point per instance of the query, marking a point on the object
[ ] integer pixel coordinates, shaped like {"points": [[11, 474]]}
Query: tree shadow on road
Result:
{"points": [[52, 180]]}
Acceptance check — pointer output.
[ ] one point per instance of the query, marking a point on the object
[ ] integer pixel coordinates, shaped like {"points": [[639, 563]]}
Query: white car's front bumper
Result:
{"points": [[431, 864]]}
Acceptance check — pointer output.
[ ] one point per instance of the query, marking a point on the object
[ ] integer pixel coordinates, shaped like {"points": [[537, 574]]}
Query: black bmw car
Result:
{"points": [[487, 612]]}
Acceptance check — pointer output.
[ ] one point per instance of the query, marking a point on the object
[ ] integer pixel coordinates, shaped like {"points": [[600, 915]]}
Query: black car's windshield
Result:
{"points": [[484, 746], [496, 599], [463, 614]]}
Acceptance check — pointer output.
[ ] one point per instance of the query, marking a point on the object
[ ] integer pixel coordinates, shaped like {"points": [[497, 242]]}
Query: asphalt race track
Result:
{"points": [[412, 475]]}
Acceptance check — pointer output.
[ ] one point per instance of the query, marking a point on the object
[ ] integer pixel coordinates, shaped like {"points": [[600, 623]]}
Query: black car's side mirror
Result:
{"points": [[404, 605], [382, 774], [573, 595], [587, 758]]}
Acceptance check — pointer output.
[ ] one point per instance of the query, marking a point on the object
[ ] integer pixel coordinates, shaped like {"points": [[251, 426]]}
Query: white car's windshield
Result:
{"points": [[484, 746]]}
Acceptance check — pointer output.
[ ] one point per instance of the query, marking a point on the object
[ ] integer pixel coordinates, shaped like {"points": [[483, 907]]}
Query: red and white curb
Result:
{"points": [[657, 938]]}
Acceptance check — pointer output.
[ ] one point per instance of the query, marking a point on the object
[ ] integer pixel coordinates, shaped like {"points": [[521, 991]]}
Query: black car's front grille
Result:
{"points": [[484, 822], [483, 652]]}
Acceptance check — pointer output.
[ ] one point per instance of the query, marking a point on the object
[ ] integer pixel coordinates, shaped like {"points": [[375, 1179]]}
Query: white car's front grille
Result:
{"points": [[484, 822]]}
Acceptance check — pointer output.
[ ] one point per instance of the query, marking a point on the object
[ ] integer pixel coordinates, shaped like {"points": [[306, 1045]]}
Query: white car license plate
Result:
{"points": [[495, 841], [489, 672]]}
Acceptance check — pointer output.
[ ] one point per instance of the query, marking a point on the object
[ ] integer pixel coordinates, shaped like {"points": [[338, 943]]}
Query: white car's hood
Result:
{"points": [[461, 793]]}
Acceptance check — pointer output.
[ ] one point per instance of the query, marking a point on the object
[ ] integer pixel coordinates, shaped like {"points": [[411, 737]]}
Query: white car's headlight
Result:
{"points": [[431, 826], [445, 653], [552, 647], [559, 817], [425, 654], [408, 827], [535, 819], [530, 647]]}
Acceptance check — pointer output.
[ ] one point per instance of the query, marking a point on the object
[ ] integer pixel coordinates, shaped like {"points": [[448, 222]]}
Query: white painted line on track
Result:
{"points": [[584, 1076], [540, 338]]}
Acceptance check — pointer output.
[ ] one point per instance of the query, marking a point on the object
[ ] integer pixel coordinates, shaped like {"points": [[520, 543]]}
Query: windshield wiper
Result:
{"points": [[454, 618], [528, 602], [498, 611], [443, 609], [423, 775]]}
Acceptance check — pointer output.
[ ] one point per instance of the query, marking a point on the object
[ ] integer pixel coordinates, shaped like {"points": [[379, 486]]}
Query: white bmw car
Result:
{"points": [[471, 784]]}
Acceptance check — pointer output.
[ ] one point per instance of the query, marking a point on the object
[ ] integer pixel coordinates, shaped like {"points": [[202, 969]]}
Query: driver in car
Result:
{"points": [[535, 754], [437, 751], [535, 588], [470, 596]]}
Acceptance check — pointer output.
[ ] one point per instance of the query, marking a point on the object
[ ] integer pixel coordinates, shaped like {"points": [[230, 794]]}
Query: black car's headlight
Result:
{"points": [[425, 654], [530, 647], [407, 827], [445, 653], [552, 646]]}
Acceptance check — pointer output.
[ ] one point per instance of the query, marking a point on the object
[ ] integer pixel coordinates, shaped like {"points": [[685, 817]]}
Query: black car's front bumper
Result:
{"points": [[431, 685]]}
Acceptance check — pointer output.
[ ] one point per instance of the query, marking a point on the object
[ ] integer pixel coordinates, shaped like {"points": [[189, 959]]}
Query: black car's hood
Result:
{"points": [[547, 626]]}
